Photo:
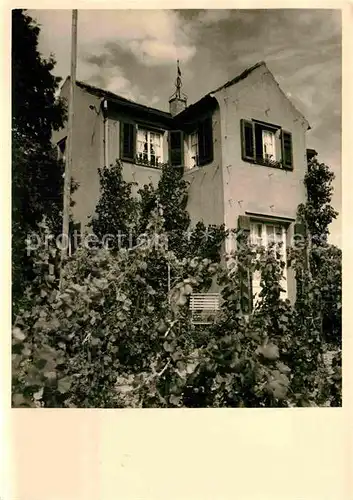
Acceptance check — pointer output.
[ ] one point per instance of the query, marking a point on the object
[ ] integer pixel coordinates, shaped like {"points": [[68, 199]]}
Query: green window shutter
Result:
{"points": [[244, 223], [287, 150], [247, 140], [127, 141], [205, 141], [246, 299], [299, 229], [176, 148], [259, 151]]}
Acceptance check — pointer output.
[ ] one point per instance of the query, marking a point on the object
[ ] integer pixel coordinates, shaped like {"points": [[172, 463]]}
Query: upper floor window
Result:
{"points": [[193, 150], [144, 145], [269, 145], [200, 144], [141, 145], [149, 147], [266, 144]]}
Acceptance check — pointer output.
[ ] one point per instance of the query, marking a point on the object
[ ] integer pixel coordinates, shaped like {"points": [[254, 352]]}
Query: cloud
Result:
{"points": [[153, 51], [111, 41], [155, 37], [112, 79]]}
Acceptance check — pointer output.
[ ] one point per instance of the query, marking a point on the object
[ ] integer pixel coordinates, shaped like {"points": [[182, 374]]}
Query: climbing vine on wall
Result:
{"points": [[118, 334]]}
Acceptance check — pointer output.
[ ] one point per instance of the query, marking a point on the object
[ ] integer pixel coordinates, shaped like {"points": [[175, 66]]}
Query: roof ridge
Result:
{"points": [[240, 76]]}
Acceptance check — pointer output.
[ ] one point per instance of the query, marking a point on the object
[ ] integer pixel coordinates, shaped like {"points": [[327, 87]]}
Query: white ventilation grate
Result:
{"points": [[204, 307]]}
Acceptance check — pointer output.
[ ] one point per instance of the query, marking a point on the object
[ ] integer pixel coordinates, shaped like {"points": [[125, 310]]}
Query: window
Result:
{"points": [[264, 234], [266, 144], [200, 144], [149, 147], [269, 146], [193, 149], [140, 145]]}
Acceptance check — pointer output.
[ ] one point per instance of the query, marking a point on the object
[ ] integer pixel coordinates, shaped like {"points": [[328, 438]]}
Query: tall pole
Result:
{"points": [[68, 163]]}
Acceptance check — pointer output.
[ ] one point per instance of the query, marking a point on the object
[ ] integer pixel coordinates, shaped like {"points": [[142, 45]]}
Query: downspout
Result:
{"points": [[105, 133]]}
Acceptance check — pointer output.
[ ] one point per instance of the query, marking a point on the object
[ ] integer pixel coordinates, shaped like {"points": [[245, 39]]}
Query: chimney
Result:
{"points": [[177, 105], [178, 101]]}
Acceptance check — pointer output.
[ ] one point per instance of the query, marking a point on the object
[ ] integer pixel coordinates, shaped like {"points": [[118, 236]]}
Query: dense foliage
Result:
{"points": [[113, 336], [37, 180], [124, 218], [324, 259]]}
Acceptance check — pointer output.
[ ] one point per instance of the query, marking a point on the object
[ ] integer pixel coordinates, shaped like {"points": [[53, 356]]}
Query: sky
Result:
{"points": [[133, 53]]}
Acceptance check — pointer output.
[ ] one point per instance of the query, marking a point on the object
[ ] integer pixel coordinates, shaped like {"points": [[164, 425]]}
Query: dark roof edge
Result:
{"points": [[210, 95], [106, 94], [206, 98], [290, 101], [240, 77]]}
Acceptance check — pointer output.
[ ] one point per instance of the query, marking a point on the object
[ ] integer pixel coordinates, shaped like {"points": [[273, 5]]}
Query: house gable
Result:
{"points": [[250, 106], [262, 75]]}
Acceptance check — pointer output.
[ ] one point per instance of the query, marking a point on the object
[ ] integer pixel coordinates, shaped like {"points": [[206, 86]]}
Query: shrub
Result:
{"points": [[111, 336], [117, 331]]}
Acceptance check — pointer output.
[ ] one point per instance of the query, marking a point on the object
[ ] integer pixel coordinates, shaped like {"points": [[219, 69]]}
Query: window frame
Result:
{"points": [[265, 223], [272, 135], [203, 129], [135, 126], [149, 131], [193, 159], [251, 130]]}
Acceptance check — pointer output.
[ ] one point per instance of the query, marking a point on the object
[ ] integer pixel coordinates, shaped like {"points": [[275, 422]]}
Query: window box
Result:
{"points": [[147, 163]]}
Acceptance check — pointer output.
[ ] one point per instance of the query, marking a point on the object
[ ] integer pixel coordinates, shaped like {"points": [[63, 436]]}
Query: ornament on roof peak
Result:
{"points": [[178, 101]]}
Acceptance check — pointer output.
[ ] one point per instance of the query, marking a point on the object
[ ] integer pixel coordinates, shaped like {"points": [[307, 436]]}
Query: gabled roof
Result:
{"points": [[210, 96], [240, 77], [205, 101]]}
